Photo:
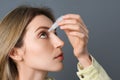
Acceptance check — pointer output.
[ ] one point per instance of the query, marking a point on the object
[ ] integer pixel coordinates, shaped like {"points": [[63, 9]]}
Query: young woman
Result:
{"points": [[28, 51]]}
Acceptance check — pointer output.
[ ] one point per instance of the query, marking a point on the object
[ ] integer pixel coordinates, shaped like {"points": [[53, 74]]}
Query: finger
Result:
{"points": [[84, 28], [71, 28], [68, 21], [79, 34], [75, 28], [74, 16], [73, 22], [71, 16]]}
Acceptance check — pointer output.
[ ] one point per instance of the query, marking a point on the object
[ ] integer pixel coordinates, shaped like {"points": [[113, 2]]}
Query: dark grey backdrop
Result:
{"points": [[102, 18]]}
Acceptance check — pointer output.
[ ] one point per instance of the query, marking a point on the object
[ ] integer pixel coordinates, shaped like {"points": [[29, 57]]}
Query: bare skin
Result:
{"points": [[42, 52], [77, 34]]}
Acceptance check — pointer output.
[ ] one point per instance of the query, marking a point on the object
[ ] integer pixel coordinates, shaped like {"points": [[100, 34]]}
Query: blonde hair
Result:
{"points": [[12, 30]]}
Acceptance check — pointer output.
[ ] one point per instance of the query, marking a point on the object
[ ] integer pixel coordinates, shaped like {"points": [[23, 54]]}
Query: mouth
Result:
{"points": [[59, 57]]}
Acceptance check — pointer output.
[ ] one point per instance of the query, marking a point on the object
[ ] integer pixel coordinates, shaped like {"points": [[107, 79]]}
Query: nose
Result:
{"points": [[57, 42]]}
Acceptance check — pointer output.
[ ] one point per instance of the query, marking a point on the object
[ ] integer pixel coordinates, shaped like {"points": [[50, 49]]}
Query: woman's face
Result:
{"points": [[42, 49]]}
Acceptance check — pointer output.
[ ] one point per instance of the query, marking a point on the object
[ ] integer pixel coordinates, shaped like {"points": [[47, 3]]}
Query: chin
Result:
{"points": [[57, 68]]}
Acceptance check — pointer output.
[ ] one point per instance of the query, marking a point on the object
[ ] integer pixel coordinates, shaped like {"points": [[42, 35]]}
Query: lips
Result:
{"points": [[60, 56]]}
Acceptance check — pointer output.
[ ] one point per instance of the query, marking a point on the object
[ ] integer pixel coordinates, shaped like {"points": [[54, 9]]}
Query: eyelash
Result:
{"points": [[43, 33]]}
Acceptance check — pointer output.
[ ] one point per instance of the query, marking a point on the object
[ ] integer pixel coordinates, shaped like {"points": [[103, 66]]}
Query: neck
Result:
{"points": [[31, 74]]}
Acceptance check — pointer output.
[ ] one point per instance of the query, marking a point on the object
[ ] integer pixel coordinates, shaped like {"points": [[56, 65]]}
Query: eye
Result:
{"points": [[43, 35]]}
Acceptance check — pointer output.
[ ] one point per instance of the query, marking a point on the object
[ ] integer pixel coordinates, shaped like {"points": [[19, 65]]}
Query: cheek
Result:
{"points": [[37, 52], [43, 47], [39, 47]]}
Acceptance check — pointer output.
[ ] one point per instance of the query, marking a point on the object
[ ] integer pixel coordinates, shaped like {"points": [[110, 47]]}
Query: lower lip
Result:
{"points": [[60, 57]]}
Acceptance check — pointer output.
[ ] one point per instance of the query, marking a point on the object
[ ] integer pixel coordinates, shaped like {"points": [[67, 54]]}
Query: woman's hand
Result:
{"points": [[77, 34]]}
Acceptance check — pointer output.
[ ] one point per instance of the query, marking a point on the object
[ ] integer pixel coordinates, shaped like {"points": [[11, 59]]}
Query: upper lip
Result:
{"points": [[61, 54]]}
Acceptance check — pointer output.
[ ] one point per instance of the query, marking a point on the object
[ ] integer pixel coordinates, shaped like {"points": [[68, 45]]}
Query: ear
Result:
{"points": [[16, 54]]}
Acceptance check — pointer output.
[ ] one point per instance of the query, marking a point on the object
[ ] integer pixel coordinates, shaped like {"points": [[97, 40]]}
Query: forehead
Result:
{"points": [[38, 21]]}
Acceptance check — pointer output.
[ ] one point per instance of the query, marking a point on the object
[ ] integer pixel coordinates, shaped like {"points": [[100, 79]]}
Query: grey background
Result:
{"points": [[102, 18]]}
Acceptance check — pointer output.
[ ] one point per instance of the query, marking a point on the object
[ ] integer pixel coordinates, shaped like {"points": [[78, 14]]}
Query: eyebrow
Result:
{"points": [[41, 27]]}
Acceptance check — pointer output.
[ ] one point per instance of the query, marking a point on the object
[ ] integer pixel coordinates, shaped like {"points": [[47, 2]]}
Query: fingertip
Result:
{"points": [[61, 27], [66, 16]]}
